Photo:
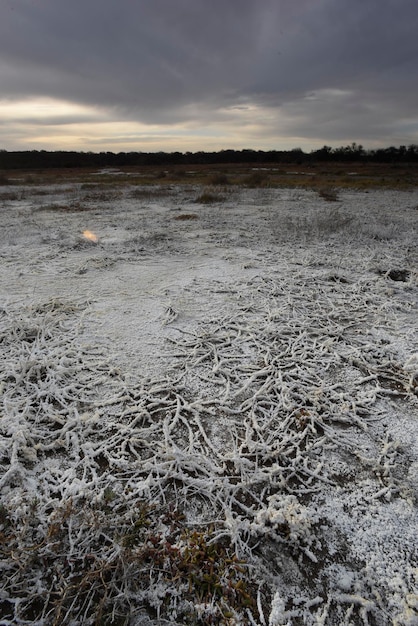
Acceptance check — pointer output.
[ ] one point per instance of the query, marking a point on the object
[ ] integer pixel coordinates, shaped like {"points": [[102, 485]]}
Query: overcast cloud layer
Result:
{"points": [[207, 74]]}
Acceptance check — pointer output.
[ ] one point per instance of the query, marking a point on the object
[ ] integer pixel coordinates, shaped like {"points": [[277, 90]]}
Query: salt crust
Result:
{"points": [[247, 368]]}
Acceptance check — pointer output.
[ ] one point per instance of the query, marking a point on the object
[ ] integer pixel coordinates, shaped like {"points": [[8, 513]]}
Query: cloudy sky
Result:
{"points": [[148, 75]]}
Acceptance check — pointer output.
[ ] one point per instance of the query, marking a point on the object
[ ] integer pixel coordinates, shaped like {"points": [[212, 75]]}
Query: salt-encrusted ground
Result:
{"points": [[210, 415]]}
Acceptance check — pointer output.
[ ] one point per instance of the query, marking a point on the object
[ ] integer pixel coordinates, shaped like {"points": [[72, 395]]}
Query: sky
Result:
{"points": [[190, 75]]}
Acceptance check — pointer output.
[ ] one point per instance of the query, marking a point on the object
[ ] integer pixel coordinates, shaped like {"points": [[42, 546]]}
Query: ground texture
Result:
{"points": [[209, 409]]}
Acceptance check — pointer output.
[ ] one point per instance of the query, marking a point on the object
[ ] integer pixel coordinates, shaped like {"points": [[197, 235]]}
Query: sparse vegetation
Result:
{"points": [[101, 195], [9, 196], [310, 225], [198, 578], [330, 195], [180, 174], [327, 222], [147, 192], [209, 196], [207, 430], [73, 207], [186, 216], [249, 169], [255, 179], [219, 178]]}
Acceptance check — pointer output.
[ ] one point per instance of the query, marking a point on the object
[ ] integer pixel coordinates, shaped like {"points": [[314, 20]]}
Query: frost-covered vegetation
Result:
{"points": [[209, 414]]}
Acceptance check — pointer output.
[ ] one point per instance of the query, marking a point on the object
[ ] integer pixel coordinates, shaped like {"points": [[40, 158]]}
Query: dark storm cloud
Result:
{"points": [[342, 64], [141, 55]]}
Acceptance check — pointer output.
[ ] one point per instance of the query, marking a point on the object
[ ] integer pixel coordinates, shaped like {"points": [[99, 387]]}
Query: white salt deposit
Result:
{"points": [[252, 369]]}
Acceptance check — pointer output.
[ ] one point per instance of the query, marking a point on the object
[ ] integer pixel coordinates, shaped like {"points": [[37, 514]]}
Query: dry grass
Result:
{"points": [[305, 176], [315, 225], [209, 196], [219, 178], [256, 179], [148, 192], [94, 586]]}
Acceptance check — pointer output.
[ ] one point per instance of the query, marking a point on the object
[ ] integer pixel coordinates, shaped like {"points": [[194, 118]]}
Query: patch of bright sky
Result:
{"points": [[49, 124], [40, 109]]}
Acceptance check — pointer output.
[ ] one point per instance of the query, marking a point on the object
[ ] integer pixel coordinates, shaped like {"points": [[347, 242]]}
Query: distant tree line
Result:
{"points": [[43, 159]]}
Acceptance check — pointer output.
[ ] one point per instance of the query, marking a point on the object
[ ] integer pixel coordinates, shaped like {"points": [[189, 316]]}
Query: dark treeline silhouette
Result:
{"points": [[42, 159]]}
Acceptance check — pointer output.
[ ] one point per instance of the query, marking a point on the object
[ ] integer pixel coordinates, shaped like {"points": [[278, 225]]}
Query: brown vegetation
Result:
{"points": [[318, 176]]}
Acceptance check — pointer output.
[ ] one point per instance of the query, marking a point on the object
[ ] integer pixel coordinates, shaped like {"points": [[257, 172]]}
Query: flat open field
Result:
{"points": [[319, 176], [209, 405]]}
